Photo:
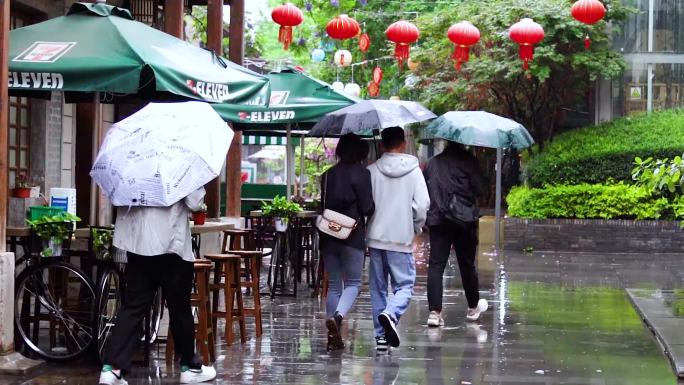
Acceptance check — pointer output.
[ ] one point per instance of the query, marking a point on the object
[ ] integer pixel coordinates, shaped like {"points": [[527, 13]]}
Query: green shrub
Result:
{"points": [[616, 201], [601, 153]]}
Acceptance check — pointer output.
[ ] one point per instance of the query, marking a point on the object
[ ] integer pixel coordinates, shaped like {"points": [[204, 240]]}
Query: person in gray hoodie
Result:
{"points": [[401, 203]]}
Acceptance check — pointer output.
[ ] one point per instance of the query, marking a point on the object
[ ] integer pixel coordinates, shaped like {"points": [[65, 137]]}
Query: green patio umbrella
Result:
{"points": [[101, 48], [296, 98], [480, 128]]}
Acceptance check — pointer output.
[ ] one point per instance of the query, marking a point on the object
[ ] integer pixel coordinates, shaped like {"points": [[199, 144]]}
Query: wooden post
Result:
{"points": [[95, 201], [236, 51], [214, 43], [4, 108], [173, 17]]}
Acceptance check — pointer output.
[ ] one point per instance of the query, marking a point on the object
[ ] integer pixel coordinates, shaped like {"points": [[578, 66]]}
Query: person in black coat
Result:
{"points": [[346, 189], [453, 172]]}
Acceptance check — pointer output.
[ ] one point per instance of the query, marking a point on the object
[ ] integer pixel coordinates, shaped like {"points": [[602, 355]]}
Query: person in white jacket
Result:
{"points": [[401, 203]]}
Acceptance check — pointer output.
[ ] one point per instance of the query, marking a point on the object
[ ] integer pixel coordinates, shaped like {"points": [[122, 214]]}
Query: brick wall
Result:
{"points": [[589, 235]]}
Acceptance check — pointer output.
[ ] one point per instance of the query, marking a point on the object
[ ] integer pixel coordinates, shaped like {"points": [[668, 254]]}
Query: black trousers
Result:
{"points": [[464, 241], [144, 275]]}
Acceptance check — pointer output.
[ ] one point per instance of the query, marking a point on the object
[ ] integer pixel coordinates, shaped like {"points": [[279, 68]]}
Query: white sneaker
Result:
{"points": [[435, 319], [108, 377], [474, 314], [195, 376]]}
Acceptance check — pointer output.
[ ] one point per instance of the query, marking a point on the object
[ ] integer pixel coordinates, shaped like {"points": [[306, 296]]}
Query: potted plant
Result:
{"points": [[22, 187], [53, 230], [102, 243], [281, 209], [200, 216]]}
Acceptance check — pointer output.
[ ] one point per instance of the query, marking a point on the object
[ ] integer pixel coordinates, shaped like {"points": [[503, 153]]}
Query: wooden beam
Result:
{"points": [[4, 109], [173, 17], [236, 53], [214, 43]]}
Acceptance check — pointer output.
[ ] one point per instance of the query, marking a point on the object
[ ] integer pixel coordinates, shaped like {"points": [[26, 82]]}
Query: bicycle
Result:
{"points": [[54, 300]]}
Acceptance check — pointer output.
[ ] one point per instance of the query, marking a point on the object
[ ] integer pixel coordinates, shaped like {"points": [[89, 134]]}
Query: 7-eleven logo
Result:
{"points": [[44, 52]]}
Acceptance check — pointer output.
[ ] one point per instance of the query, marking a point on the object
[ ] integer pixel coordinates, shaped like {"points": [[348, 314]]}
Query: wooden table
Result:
{"points": [[301, 214]]}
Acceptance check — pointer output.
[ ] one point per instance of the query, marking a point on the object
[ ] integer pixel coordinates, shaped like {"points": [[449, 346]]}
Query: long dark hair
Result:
{"points": [[351, 149]]}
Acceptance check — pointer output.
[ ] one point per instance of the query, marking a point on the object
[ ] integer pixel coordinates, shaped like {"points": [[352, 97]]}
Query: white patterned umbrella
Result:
{"points": [[161, 154]]}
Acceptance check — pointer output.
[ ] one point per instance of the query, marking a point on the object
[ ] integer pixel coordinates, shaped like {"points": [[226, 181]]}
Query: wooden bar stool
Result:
{"points": [[237, 239], [252, 260], [228, 266], [204, 333]]}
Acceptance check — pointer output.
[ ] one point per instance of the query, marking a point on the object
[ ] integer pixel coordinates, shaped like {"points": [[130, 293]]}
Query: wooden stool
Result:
{"points": [[252, 260], [228, 266], [237, 239], [204, 333]]}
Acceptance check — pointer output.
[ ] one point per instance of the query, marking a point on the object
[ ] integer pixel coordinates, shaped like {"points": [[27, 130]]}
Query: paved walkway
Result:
{"points": [[554, 319]]}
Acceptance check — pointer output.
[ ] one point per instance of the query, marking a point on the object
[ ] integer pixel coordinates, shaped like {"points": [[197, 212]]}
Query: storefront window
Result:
{"points": [[668, 26], [631, 91], [19, 125]]}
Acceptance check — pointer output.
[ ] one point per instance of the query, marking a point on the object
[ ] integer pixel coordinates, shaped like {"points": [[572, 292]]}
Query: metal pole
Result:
{"points": [[4, 123], [497, 206], [289, 161], [301, 165], [649, 72]]}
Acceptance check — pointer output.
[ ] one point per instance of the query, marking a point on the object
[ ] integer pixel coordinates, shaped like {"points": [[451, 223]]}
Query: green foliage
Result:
{"points": [[280, 207], [102, 242], [598, 154], [494, 79], [662, 176], [613, 201], [56, 227], [316, 162]]}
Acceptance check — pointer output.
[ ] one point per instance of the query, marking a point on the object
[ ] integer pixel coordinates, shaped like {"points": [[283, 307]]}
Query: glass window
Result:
{"points": [[267, 163], [632, 36], [668, 81], [631, 91], [668, 25]]}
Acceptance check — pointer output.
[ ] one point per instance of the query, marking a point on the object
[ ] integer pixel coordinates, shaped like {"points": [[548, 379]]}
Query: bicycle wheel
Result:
{"points": [[156, 313], [110, 300], [54, 308]]}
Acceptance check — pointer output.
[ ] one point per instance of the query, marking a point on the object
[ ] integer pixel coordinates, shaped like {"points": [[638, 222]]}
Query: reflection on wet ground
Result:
{"points": [[554, 319]]}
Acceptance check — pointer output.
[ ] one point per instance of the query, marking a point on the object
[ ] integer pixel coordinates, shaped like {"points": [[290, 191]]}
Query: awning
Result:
{"points": [[268, 140]]}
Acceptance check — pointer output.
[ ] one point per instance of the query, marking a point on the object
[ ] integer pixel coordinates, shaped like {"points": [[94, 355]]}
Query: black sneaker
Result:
{"points": [[334, 337], [390, 329], [381, 344]]}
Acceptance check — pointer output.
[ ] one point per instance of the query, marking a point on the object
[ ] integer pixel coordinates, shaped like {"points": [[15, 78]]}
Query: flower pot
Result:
{"points": [[199, 218], [280, 225], [21, 192]]}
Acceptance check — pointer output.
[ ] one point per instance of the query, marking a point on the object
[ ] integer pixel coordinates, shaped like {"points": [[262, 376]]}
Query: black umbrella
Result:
{"points": [[365, 117]]}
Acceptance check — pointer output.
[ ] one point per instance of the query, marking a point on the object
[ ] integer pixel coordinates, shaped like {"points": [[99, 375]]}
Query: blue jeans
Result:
{"points": [[401, 269], [344, 266]]}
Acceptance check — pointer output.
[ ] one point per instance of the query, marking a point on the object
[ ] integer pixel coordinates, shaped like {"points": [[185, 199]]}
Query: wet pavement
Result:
{"points": [[554, 319]]}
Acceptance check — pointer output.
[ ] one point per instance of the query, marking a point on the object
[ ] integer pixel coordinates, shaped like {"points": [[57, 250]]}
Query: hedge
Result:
{"points": [[606, 152], [587, 201]]}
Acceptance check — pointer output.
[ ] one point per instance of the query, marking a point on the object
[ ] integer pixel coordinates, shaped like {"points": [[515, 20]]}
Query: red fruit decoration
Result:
{"points": [[342, 27], [364, 42], [464, 35], [588, 12], [373, 89], [402, 33], [527, 33], [377, 75], [288, 16]]}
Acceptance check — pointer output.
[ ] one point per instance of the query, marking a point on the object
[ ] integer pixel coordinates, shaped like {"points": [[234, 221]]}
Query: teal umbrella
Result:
{"points": [[480, 128]]}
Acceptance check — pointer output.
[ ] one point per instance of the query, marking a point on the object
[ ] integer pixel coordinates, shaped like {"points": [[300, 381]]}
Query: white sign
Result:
{"points": [[45, 52]]}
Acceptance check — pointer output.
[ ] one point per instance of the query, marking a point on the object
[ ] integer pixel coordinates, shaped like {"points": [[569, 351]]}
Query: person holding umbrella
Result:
{"points": [[152, 166], [157, 241], [346, 189], [453, 175]]}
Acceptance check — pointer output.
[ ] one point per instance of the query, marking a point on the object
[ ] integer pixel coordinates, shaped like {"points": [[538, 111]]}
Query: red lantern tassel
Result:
{"points": [[285, 36], [461, 55], [401, 52], [526, 55], [587, 42]]}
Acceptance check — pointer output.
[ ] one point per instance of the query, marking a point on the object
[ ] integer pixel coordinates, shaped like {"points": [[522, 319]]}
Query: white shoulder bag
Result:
{"points": [[333, 223]]}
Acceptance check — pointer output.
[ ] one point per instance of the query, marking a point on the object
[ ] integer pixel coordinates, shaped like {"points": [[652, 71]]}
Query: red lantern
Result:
{"points": [[342, 27], [377, 75], [402, 33], [464, 35], [364, 42], [588, 12], [373, 89], [288, 16], [527, 33]]}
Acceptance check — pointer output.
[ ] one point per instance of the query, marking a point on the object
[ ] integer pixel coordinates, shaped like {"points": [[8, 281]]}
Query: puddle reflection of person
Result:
{"points": [[385, 371]]}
